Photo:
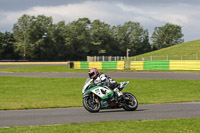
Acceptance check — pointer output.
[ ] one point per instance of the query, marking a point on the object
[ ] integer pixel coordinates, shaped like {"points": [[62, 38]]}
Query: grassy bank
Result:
{"points": [[23, 93], [191, 50], [149, 126]]}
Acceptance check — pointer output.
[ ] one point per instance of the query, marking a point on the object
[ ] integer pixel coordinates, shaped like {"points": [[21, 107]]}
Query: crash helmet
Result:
{"points": [[93, 73]]}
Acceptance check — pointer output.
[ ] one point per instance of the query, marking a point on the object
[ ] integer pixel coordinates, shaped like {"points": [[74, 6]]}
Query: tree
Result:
{"points": [[167, 35], [7, 50], [29, 33], [38, 34], [20, 34], [101, 39], [78, 38], [132, 36]]}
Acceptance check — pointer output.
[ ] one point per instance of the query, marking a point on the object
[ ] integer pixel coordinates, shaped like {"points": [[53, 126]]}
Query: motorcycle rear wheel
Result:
{"points": [[90, 106], [132, 104]]}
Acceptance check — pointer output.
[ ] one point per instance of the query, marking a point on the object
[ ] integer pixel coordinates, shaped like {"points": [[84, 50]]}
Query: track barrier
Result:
{"points": [[117, 65], [165, 65]]}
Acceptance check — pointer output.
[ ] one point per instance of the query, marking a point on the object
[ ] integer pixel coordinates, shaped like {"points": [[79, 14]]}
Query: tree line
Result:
{"points": [[38, 38]]}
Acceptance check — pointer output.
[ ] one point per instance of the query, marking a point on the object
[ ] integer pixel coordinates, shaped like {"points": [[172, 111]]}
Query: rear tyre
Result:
{"points": [[91, 105], [131, 104]]}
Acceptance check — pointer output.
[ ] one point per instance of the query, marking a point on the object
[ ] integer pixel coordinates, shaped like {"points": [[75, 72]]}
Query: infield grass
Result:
{"points": [[64, 69], [145, 126], [25, 93], [41, 69]]}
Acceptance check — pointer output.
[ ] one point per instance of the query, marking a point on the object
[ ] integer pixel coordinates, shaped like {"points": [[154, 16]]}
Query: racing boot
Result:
{"points": [[118, 93]]}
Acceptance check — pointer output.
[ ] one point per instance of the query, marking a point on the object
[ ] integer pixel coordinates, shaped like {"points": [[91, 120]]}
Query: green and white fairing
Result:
{"points": [[101, 91]]}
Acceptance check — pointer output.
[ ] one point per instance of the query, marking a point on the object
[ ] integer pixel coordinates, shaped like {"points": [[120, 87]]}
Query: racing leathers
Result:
{"points": [[103, 79]]}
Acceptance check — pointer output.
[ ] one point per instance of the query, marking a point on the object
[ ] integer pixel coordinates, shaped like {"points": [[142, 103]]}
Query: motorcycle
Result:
{"points": [[102, 97]]}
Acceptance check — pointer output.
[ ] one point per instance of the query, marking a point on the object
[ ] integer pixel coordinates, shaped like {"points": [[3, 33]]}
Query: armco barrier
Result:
{"points": [[119, 65], [156, 65], [137, 65], [185, 65], [165, 65], [149, 65]]}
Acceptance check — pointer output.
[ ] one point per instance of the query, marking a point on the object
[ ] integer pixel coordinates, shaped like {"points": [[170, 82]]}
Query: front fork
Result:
{"points": [[94, 99]]}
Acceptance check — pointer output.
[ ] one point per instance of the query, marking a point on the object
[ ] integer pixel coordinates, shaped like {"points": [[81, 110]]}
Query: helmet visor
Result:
{"points": [[91, 75]]}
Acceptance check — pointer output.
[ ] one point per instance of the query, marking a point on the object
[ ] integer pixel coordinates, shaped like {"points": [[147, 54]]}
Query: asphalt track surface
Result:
{"points": [[80, 115], [127, 75], [9, 66]]}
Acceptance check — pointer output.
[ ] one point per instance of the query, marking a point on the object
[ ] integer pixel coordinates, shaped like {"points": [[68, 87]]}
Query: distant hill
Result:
{"points": [[185, 51]]}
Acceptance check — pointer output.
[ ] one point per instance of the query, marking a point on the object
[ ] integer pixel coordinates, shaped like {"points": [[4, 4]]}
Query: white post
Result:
{"points": [[142, 58], [128, 60], [110, 58], [95, 58]]}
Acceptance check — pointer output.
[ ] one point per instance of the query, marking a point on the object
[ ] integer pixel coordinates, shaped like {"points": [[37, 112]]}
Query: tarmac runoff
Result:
{"points": [[32, 117]]}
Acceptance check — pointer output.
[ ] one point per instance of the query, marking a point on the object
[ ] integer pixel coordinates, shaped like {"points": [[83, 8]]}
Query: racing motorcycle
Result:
{"points": [[102, 97]]}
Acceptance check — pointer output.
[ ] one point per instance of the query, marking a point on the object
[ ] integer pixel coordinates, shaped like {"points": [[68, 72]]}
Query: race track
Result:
{"points": [[79, 115], [127, 75]]}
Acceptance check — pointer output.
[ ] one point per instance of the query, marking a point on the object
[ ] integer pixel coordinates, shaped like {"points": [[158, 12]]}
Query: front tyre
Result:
{"points": [[92, 105], [132, 103]]}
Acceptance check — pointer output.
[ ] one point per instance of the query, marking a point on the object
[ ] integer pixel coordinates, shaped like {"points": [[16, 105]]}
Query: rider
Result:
{"points": [[100, 79]]}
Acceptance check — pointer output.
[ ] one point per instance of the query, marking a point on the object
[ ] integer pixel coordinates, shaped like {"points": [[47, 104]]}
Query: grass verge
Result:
{"points": [[24, 93], [145, 126], [65, 69]]}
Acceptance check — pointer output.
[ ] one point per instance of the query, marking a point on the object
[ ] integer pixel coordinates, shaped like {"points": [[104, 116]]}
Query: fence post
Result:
{"points": [[167, 57], [95, 58], [109, 58], [151, 58], [181, 57], [197, 57]]}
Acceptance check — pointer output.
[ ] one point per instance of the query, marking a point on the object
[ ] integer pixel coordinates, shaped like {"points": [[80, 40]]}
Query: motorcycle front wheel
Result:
{"points": [[92, 105], [132, 103]]}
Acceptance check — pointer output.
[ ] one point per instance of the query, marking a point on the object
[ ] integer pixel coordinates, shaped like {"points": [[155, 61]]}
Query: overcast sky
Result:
{"points": [[150, 13]]}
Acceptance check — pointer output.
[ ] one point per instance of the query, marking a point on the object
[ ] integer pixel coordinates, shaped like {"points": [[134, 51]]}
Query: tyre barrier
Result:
{"points": [[116, 65]]}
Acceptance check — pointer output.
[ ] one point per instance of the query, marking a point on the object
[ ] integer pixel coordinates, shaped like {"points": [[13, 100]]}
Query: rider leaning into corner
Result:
{"points": [[100, 78]]}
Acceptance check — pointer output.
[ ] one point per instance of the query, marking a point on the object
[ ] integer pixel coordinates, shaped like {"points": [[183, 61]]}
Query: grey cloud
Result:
{"points": [[150, 13], [157, 2], [18, 5]]}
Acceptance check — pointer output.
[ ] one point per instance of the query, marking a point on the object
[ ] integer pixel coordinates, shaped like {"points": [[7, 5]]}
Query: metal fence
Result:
{"points": [[143, 58], [105, 58], [167, 57]]}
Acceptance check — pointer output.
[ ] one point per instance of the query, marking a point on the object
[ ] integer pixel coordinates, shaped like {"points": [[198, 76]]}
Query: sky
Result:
{"points": [[149, 13]]}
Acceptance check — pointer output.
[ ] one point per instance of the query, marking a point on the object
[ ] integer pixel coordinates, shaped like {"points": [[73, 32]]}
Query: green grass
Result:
{"points": [[47, 69], [64, 69], [145, 126], [40, 69], [191, 49], [24, 93]]}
